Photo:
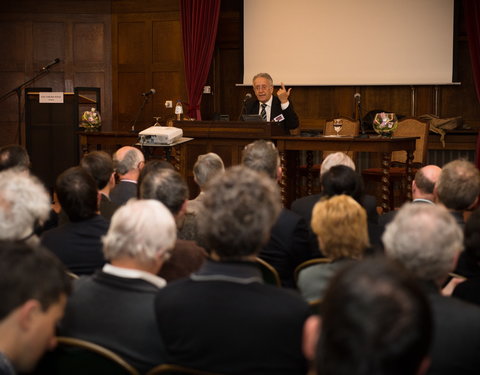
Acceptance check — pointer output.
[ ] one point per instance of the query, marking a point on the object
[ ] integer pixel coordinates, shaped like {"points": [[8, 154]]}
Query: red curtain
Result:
{"points": [[199, 28], [471, 9]]}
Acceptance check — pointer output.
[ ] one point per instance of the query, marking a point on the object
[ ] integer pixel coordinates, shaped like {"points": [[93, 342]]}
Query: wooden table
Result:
{"points": [[382, 145]]}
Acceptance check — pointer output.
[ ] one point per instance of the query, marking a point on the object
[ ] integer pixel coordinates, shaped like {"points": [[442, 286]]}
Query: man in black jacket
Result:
{"points": [[272, 108]]}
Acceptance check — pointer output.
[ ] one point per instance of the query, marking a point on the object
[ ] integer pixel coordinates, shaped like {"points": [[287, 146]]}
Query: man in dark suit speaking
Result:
{"points": [[271, 108]]}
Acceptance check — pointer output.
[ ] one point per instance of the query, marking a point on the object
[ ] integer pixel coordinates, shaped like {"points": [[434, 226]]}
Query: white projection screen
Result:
{"points": [[349, 42]]}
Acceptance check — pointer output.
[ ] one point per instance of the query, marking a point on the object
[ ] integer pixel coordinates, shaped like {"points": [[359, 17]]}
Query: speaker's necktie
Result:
{"points": [[263, 112]]}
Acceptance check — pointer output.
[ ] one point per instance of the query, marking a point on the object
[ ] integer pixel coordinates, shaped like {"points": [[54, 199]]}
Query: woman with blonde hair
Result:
{"points": [[340, 224]]}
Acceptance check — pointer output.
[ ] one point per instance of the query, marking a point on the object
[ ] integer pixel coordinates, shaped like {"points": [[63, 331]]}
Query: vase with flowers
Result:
{"points": [[385, 124], [91, 120]]}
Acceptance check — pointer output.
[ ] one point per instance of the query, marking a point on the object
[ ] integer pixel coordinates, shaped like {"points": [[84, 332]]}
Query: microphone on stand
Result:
{"points": [[244, 109], [149, 92], [357, 97], [49, 65], [146, 96]]}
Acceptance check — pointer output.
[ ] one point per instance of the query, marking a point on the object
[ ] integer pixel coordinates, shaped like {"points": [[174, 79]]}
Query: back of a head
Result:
{"points": [[375, 321], [30, 273], [336, 158], [341, 179], [14, 156], [262, 156], [240, 208], [166, 186], [77, 193], [423, 179], [341, 225], [141, 229], [24, 202], [459, 185], [100, 166], [425, 239], [206, 167], [151, 166], [126, 159]]}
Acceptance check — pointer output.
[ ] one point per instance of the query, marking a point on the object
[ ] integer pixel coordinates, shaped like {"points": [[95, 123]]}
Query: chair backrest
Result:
{"points": [[167, 369], [412, 127], [79, 357], [350, 128], [269, 273], [308, 263]]}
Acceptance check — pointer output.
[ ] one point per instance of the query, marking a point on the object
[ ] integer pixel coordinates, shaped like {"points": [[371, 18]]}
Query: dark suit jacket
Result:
{"points": [[223, 319], [78, 244], [117, 313], [291, 119], [122, 192], [107, 207], [304, 207], [288, 246], [456, 341]]}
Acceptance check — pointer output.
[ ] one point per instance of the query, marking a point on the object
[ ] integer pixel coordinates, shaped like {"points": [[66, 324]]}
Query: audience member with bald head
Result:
{"points": [[423, 187], [128, 162], [426, 239]]}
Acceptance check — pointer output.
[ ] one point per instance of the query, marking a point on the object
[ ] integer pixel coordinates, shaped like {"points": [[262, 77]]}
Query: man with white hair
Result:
{"points": [[128, 161], [24, 204], [114, 307], [427, 241], [205, 168]]}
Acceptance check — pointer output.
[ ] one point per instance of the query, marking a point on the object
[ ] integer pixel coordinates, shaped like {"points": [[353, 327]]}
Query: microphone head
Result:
{"points": [[247, 96], [153, 91], [357, 95], [57, 60]]}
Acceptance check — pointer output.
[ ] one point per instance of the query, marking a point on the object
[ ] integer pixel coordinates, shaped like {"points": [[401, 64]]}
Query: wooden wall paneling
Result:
{"points": [[130, 85], [424, 103], [169, 86], [91, 59], [49, 43]]}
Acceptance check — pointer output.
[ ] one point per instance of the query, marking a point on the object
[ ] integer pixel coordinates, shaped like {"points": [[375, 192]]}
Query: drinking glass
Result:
{"points": [[337, 126]]}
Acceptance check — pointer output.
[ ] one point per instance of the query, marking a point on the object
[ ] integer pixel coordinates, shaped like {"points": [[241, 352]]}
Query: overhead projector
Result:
{"points": [[159, 135]]}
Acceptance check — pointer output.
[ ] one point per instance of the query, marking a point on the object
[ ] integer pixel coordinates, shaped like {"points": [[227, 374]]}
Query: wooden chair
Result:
{"points": [[269, 273], [408, 127], [308, 263], [79, 357], [350, 128], [167, 369], [72, 276]]}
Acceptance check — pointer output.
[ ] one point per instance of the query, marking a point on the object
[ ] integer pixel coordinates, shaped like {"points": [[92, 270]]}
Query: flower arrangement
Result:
{"points": [[385, 123], [91, 120]]}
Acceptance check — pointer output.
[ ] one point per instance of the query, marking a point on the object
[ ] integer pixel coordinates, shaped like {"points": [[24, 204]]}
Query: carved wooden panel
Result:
{"points": [[89, 42], [131, 43], [48, 42], [130, 86], [167, 50]]}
